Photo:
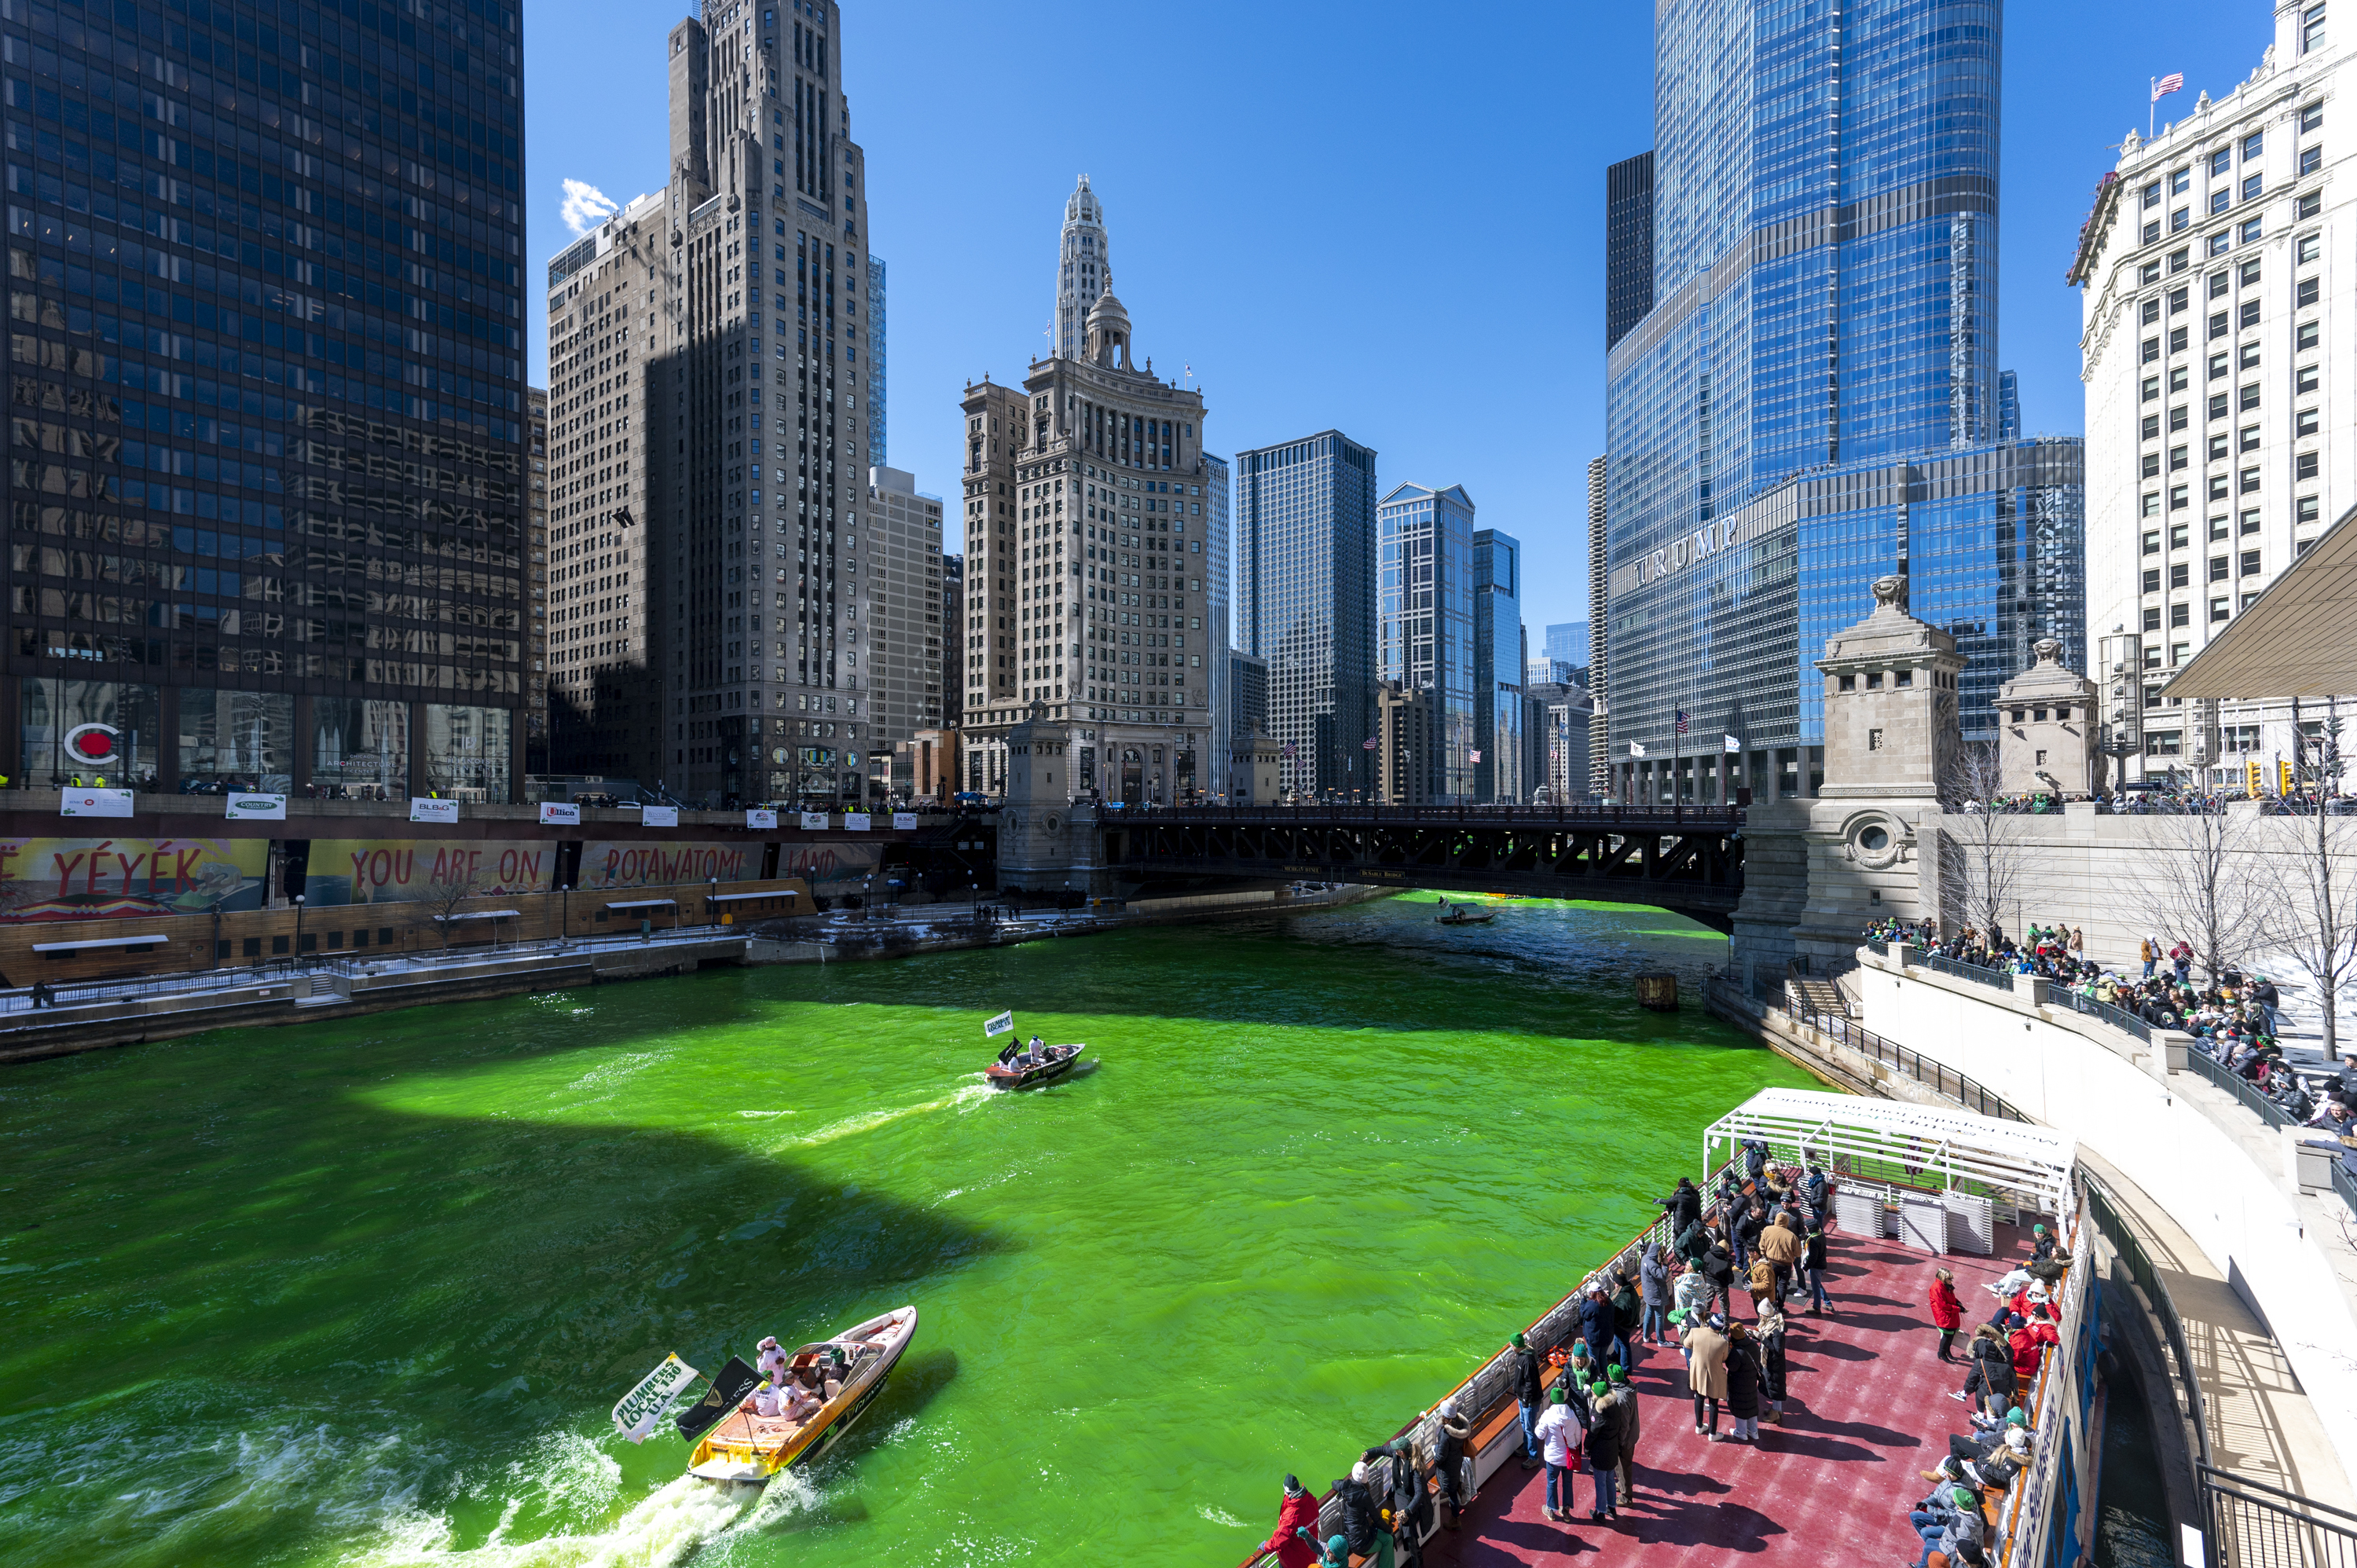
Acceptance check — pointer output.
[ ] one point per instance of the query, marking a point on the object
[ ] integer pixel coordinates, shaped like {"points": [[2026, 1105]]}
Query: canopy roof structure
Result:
{"points": [[2297, 639], [1848, 1131]]}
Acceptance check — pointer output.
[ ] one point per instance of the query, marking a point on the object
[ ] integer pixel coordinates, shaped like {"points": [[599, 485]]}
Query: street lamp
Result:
{"points": [[298, 931], [564, 930]]}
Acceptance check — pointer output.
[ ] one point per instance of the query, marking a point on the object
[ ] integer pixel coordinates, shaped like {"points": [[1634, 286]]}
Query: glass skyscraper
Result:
{"points": [[266, 494], [1813, 399], [1498, 673], [1305, 602], [1425, 590]]}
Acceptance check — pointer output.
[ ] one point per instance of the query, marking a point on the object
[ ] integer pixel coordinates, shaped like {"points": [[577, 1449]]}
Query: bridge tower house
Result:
{"points": [[1046, 842], [1817, 872]]}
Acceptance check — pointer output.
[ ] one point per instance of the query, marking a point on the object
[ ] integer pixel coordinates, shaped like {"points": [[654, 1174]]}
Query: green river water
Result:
{"points": [[362, 1293]]}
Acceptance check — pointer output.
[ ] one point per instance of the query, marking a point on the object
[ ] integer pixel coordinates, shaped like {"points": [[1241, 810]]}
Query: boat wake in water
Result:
{"points": [[686, 1520], [963, 1099]]}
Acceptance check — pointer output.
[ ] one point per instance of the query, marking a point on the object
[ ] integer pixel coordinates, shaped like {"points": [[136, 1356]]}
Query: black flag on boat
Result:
{"points": [[729, 1387]]}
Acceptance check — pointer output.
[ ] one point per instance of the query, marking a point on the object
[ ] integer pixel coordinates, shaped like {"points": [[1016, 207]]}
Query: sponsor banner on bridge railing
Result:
{"points": [[128, 878]]}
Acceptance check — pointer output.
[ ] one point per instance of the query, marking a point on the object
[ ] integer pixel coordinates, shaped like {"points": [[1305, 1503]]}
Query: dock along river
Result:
{"points": [[363, 1291]]}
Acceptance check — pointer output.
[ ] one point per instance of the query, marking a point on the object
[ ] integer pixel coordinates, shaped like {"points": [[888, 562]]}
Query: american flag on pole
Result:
{"points": [[1369, 743], [1682, 721], [2164, 86]]}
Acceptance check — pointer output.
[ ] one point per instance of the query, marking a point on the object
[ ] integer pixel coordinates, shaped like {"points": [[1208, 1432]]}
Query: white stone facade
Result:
{"points": [[2220, 327]]}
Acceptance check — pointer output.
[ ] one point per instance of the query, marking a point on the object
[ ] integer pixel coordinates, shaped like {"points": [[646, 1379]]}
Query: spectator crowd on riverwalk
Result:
{"points": [[1721, 1281], [2235, 1018]]}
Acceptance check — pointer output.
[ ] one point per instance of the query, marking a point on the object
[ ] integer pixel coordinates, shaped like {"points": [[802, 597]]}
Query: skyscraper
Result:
{"points": [[1566, 642], [905, 630], [2220, 327], [1499, 770], [876, 355], [953, 643], [269, 500], [1628, 245], [535, 679], [1084, 270], [766, 554], [1426, 638], [1813, 400], [1086, 546], [1599, 626], [611, 301], [1218, 593], [1306, 544]]}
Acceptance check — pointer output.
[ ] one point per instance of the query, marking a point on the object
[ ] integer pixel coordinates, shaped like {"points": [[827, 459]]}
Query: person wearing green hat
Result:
{"points": [[1604, 1448], [1560, 1435], [1529, 1386], [1335, 1553], [1630, 1426]]}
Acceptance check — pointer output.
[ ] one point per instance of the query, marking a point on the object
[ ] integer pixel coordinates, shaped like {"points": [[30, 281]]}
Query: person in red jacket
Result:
{"points": [[1299, 1509], [2028, 1338], [1947, 1312]]}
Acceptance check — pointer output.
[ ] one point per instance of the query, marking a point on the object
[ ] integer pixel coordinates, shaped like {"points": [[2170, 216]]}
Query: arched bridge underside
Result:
{"points": [[1691, 865]]}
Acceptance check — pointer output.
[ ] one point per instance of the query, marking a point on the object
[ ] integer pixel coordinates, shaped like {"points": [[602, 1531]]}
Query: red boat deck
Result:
{"points": [[1866, 1412]]}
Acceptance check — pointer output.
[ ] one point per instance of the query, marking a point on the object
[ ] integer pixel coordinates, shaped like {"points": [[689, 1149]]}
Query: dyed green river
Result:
{"points": [[363, 1293]]}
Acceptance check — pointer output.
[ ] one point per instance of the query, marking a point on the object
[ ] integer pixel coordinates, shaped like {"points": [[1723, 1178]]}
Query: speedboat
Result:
{"points": [[1029, 1070], [848, 1371]]}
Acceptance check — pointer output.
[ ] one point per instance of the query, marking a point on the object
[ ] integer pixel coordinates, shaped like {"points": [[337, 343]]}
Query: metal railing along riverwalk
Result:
{"points": [[1938, 1076]]}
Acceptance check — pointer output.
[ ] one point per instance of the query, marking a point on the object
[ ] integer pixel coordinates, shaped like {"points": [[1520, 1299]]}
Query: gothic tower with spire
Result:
{"points": [[1083, 269]]}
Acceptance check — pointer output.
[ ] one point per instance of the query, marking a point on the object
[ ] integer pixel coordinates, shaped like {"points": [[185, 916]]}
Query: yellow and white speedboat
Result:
{"points": [[848, 1371]]}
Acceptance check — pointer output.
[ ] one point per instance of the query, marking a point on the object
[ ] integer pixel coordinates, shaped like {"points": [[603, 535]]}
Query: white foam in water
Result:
{"points": [[658, 1531], [1220, 1516], [575, 1478], [868, 1120]]}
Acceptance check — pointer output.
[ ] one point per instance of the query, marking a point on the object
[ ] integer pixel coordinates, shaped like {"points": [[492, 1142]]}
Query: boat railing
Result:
{"points": [[1480, 1395]]}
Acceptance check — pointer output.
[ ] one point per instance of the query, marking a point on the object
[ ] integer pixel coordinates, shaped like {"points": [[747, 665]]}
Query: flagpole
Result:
{"points": [[2151, 98]]}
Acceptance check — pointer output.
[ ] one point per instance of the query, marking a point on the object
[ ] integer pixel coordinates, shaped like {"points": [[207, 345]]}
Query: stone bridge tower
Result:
{"points": [[1817, 872]]}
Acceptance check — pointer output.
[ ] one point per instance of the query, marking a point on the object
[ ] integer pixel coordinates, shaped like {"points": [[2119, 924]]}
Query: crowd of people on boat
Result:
{"points": [[2002, 1361], [1758, 1236], [786, 1392]]}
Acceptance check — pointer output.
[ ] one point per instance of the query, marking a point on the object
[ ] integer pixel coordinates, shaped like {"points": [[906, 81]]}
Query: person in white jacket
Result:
{"points": [[1561, 1435]]}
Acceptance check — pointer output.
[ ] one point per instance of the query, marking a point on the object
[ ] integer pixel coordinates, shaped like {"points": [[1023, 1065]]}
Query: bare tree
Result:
{"points": [[440, 900], [1984, 849], [2202, 884], [2318, 885]]}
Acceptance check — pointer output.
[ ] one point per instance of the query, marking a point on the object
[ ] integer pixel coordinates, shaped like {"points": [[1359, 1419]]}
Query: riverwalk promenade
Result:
{"points": [[96, 1014]]}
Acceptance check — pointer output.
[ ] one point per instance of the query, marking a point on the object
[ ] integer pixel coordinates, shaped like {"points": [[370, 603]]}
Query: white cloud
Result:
{"points": [[586, 206]]}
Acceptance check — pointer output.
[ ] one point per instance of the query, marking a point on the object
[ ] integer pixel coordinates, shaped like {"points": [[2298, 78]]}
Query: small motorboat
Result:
{"points": [[1029, 1070], [1464, 914], [846, 1372]]}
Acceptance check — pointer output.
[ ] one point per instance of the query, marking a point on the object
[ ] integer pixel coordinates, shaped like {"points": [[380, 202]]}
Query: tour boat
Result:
{"points": [[746, 1449], [1058, 1061]]}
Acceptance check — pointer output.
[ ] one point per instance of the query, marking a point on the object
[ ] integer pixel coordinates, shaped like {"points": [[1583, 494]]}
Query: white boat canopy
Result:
{"points": [[1848, 1131]]}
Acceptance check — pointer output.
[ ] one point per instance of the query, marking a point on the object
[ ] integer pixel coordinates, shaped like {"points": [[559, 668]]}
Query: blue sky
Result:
{"points": [[1381, 217]]}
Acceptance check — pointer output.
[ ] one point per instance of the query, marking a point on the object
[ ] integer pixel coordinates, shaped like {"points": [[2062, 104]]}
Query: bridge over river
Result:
{"points": [[1689, 861]]}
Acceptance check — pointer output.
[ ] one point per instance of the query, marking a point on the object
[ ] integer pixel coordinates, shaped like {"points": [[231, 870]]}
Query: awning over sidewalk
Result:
{"points": [[2017, 1156], [645, 904], [2297, 639], [484, 915]]}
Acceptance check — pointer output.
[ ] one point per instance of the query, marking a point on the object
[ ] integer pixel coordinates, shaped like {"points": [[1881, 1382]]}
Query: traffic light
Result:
{"points": [[2253, 779], [2283, 769]]}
